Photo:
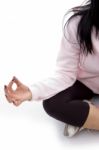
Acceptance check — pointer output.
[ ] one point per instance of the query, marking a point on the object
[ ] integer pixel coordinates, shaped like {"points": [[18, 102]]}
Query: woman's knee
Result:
{"points": [[52, 104], [47, 105]]}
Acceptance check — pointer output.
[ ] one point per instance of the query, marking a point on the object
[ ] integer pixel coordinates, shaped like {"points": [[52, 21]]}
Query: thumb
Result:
{"points": [[15, 80]]}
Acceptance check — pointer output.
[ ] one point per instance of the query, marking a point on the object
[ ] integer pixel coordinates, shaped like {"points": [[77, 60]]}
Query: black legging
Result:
{"points": [[68, 105]]}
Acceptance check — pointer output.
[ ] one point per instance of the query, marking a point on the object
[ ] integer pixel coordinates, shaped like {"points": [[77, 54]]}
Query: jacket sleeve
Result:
{"points": [[66, 67]]}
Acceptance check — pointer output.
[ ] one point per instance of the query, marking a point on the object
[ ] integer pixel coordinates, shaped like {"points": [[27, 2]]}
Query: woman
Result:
{"points": [[67, 93]]}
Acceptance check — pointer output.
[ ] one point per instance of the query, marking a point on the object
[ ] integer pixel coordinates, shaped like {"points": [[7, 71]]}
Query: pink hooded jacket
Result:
{"points": [[71, 65]]}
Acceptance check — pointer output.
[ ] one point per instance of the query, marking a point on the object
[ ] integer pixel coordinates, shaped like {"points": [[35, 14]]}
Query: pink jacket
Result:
{"points": [[71, 65]]}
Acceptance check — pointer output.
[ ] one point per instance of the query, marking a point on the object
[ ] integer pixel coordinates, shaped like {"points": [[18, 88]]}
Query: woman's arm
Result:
{"points": [[66, 67], [64, 76]]}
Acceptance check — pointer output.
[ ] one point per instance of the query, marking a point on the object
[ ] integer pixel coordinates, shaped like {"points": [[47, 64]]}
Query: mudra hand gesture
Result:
{"points": [[19, 95]]}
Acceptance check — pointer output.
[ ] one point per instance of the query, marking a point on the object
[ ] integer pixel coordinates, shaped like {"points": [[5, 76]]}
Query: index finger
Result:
{"points": [[10, 85], [15, 80]]}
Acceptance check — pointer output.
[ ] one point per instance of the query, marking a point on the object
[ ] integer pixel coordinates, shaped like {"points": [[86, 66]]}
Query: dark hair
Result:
{"points": [[89, 18]]}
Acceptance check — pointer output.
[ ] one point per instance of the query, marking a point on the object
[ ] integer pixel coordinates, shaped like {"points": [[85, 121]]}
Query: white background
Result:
{"points": [[30, 34]]}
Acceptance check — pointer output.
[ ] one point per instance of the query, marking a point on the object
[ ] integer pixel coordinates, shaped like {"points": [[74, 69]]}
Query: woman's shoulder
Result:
{"points": [[70, 28], [72, 20]]}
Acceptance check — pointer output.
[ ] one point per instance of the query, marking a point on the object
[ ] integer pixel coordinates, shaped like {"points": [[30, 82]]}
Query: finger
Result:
{"points": [[5, 89], [9, 99], [17, 103], [10, 85], [9, 93], [16, 81]]}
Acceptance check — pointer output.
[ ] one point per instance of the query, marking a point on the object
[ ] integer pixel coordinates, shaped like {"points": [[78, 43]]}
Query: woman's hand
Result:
{"points": [[22, 92]]}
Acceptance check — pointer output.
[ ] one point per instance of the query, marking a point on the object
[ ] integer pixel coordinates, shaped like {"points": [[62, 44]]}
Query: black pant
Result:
{"points": [[68, 105]]}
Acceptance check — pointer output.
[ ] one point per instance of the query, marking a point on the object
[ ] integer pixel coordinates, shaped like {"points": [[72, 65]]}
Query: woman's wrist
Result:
{"points": [[30, 95]]}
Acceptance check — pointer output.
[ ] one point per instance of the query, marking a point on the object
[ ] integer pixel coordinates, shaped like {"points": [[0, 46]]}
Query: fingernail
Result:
{"points": [[13, 79], [5, 86]]}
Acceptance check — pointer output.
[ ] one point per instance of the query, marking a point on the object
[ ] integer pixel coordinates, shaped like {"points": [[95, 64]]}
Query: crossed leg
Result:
{"points": [[68, 105]]}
